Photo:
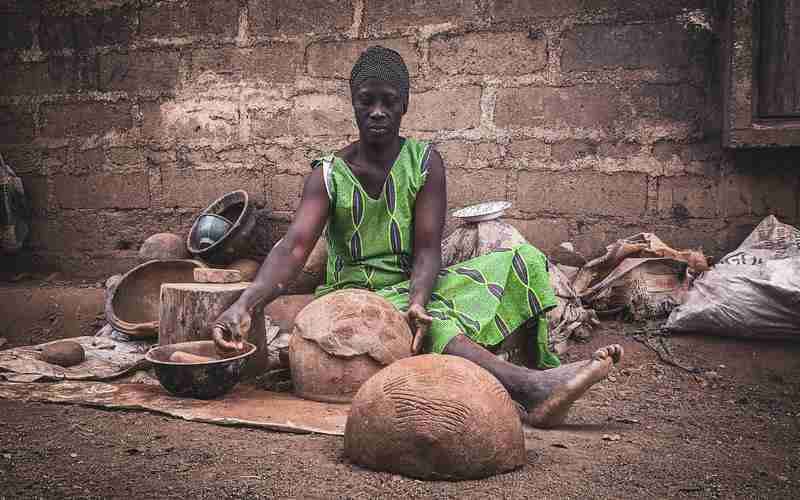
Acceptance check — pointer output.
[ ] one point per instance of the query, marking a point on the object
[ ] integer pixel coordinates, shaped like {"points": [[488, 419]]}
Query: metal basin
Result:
{"points": [[198, 380]]}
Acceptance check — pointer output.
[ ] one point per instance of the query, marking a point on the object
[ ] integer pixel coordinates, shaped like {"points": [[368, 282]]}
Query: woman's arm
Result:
{"points": [[281, 266], [429, 214]]}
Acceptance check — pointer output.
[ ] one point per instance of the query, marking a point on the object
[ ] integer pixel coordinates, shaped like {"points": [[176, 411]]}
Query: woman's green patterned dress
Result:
{"points": [[370, 245]]}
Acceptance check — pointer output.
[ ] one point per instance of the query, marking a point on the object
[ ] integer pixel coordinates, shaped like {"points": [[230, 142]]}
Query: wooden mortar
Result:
{"points": [[189, 310]]}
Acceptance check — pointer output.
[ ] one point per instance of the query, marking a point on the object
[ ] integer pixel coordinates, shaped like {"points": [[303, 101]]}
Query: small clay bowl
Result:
{"points": [[198, 380]]}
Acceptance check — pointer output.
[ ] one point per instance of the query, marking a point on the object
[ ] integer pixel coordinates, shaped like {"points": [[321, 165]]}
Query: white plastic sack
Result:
{"points": [[753, 292]]}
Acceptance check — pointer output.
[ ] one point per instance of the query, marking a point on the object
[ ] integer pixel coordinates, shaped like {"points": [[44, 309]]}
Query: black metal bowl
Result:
{"points": [[198, 380]]}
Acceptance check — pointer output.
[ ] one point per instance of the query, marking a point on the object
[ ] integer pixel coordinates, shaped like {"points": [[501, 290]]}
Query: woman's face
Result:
{"points": [[378, 107]]}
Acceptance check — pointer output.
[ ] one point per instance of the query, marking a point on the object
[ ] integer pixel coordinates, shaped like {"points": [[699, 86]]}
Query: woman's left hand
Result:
{"points": [[419, 321]]}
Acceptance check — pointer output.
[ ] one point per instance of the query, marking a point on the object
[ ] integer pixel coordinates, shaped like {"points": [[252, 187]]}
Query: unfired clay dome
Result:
{"points": [[435, 417], [342, 339]]}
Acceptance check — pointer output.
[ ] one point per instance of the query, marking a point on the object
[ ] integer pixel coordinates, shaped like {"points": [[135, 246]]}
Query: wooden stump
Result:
{"points": [[189, 310]]}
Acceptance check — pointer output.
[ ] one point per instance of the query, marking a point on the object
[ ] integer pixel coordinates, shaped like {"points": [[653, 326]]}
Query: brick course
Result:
{"points": [[467, 187], [139, 70], [190, 18], [489, 53], [593, 47], [688, 196], [444, 110], [84, 119], [100, 28], [289, 17], [103, 190], [189, 187], [276, 62], [582, 193], [393, 15]]}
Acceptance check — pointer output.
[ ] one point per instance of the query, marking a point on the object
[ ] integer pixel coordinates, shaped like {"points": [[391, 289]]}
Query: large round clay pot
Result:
{"points": [[133, 304], [435, 417], [342, 339]]}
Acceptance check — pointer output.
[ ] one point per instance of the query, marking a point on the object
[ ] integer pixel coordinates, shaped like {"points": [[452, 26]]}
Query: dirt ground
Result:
{"points": [[652, 430]]}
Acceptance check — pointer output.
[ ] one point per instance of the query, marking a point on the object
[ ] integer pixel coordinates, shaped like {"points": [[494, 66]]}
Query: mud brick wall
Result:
{"points": [[596, 118]]}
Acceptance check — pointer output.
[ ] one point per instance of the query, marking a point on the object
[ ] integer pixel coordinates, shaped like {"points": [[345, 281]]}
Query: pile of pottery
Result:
{"points": [[227, 234]]}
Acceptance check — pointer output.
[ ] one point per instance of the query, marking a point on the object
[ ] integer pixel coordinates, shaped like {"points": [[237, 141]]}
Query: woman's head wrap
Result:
{"points": [[383, 64]]}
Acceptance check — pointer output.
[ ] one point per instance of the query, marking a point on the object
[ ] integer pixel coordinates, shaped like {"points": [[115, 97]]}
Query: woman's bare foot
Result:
{"points": [[549, 395]]}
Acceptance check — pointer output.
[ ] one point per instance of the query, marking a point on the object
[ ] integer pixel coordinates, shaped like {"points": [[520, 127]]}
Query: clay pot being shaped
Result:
{"points": [[133, 304], [163, 246], [229, 229], [435, 417], [341, 340]]}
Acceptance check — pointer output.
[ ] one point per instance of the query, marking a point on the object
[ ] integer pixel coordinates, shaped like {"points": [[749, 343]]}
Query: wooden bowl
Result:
{"points": [[133, 304]]}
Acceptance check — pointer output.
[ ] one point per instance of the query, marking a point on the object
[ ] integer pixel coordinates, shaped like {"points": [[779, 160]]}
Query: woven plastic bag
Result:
{"points": [[753, 292], [14, 210]]}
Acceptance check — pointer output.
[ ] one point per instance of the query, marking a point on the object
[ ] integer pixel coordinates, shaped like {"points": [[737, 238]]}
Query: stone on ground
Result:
{"points": [[64, 353]]}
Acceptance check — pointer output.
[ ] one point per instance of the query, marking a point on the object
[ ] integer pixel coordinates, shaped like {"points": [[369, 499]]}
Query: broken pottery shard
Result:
{"points": [[208, 275], [342, 339], [66, 353], [435, 417]]}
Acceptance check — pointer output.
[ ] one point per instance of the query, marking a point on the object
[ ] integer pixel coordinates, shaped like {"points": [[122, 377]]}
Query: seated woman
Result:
{"points": [[382, 202]]}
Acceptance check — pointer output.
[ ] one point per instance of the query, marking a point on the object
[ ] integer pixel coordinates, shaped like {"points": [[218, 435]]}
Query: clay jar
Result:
{"points": [[435, 417], [342, 339]]}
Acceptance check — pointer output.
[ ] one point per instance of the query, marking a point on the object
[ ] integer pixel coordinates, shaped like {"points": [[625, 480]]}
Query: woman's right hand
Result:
{"points": [[230, 330]]}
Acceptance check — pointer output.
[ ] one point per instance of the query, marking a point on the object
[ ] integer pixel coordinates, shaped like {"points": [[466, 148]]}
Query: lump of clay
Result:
{"points": [[64, 353], [163, 246], [435, 417], [248, 268], [187, 357], [342, 339]]}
